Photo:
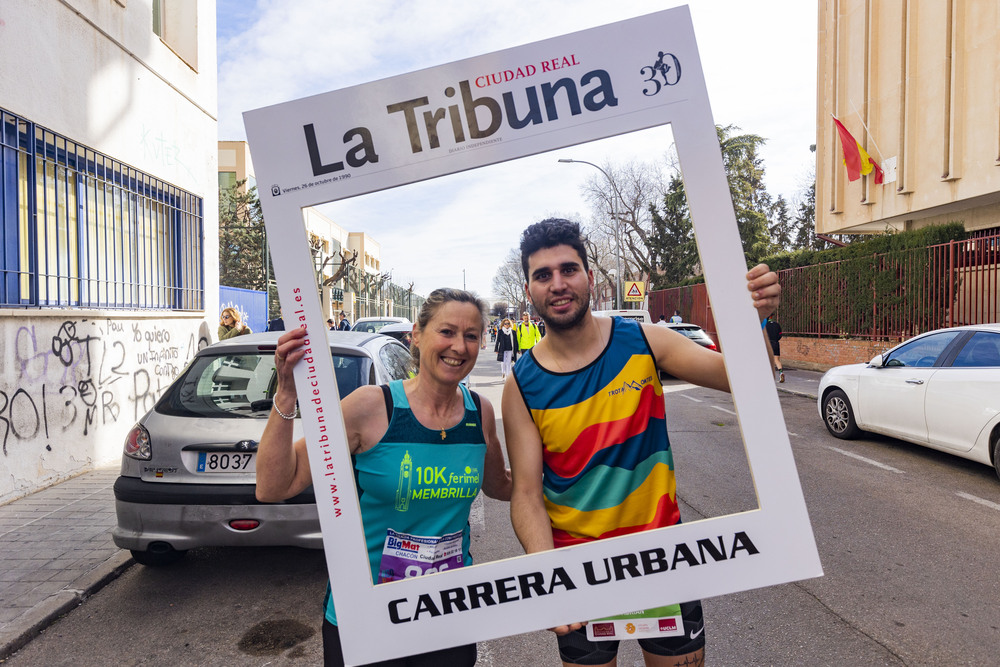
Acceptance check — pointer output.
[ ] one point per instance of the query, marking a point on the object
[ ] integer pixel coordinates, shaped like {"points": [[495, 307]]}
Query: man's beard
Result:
{"points": [[570, 320]]}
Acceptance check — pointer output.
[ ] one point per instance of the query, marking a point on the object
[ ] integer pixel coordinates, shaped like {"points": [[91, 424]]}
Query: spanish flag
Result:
{"points": [[858, 162]]}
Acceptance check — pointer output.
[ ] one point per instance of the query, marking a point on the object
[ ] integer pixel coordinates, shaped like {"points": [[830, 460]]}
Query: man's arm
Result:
{"points": [[693, 363], [524, 448]]}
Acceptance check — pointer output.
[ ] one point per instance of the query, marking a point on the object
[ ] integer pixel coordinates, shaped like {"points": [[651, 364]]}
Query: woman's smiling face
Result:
{"points": [[449, 344]]}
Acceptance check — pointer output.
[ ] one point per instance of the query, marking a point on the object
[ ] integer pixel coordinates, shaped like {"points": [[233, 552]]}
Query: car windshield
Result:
{"points": [[242, 384], [372, 326]]}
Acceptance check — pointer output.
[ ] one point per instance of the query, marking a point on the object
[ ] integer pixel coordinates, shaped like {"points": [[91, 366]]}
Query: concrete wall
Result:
{"points": [[72, 385], [72, 381]]}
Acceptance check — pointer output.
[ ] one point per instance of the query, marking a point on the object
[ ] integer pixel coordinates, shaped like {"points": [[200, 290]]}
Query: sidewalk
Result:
{"points": [[56, 548]]}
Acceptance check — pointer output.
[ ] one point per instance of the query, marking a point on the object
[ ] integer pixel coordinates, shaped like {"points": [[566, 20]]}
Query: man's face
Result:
{"points": [[524, 318], [558, 286]]}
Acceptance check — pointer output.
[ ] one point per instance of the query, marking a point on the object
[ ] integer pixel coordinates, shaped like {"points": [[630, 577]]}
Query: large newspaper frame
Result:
{"points": [[626, 76]]}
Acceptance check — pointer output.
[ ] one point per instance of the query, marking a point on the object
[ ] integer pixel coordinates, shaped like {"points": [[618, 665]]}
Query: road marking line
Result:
{"points": [[866, 460], [724, 410], [669, 389], [977, 499], [794, 435], [691, 398]]}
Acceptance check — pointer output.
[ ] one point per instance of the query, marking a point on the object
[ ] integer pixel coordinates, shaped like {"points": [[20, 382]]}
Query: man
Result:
{"points": [[344, 325], [276, 324], [558, 394], [528, 334], [662, 321], [676, 317], [774, 335]]}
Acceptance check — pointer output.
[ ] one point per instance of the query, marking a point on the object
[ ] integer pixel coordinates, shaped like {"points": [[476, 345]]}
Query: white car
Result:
{"points": [[375, 324], [940, 389]]}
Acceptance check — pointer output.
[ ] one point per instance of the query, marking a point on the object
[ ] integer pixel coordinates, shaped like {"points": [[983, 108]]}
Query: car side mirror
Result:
{"points": [[876, 362]]}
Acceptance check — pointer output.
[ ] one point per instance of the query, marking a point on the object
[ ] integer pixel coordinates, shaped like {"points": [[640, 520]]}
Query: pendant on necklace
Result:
{"points": [[443, 434]]}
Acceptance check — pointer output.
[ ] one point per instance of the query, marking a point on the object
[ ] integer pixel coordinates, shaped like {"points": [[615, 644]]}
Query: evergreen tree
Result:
{"points": [[242, 239], [751, 201], [671, 241], [805, 222], [781, 226]]}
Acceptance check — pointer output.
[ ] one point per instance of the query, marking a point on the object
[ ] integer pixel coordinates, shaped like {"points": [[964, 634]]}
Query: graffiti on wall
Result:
{"points": [[64, 380]]}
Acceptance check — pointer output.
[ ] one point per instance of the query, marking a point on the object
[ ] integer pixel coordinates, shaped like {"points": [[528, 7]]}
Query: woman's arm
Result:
{"points": [[283, 465], [496, 474]]}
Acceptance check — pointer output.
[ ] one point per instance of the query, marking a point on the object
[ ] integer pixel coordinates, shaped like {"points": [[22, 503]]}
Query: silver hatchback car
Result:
{"points": [[188, 471]]}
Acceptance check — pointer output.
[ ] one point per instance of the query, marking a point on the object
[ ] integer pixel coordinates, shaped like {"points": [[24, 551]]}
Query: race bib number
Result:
{"points": [[405, 556], [657, 622]]}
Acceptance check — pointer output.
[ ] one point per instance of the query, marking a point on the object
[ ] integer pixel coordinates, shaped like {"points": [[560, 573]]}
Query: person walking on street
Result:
{"points": [[344, 324], [676, 317], [528, 334], [430, 422], [230, 325], [588, 465], [774, 336], [506, 348]]}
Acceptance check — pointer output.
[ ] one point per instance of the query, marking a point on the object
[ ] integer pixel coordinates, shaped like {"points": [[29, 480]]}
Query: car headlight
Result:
{"points": [[137, 444]]}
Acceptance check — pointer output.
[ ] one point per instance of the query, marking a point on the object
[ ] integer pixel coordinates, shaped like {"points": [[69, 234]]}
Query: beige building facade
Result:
{"points": [[917, 82]]}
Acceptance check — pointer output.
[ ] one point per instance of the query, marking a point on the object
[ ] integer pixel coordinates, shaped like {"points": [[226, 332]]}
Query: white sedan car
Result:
{"points": [[940, 389]]}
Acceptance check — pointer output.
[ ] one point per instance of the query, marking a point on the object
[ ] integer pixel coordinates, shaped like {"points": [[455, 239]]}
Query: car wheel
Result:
{"points": [[838, 416], [158, 555], [996, 451]]}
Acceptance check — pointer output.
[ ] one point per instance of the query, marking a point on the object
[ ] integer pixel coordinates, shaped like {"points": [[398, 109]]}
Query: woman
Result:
{"points": [[230, 325], [429, 418], [506, 348]]}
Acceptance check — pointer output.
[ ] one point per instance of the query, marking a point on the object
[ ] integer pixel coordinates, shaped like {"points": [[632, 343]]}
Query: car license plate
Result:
{"points": [[226, 462]]}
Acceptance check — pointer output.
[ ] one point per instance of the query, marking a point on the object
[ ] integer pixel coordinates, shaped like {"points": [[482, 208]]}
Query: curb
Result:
{"points": [[25, 628]]}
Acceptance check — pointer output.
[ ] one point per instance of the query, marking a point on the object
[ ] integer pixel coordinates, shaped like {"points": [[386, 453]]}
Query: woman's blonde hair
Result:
{"points": [[505, 322], [232, 312]]}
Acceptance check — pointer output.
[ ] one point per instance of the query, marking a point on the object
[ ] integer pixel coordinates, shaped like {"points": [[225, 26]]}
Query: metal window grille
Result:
{"points": [[80, 229]]}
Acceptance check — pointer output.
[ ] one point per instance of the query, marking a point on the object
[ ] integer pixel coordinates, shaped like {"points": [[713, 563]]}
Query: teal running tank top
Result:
{"points": [[415, 489]]}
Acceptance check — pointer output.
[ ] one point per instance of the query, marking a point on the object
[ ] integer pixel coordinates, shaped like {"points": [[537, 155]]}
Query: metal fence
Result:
{"points": [[878, 297]]}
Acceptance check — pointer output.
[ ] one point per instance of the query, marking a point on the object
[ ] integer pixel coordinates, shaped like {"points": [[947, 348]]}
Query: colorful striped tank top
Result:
{"points": [[608, 469]]}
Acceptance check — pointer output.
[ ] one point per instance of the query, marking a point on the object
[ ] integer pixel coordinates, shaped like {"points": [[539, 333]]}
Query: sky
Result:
{"points": [[759, 60]]}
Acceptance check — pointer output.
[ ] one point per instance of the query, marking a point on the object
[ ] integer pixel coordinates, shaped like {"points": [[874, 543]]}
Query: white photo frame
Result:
{"points": [[451, 118]]}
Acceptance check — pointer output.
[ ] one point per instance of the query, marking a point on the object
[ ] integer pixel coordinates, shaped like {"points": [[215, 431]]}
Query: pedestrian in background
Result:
{"points": [[344, 325], [676, 317], [528, 334], [330, 325], [506, 348], [774, 336], [276, 324], [230, 325], [662, 321]]}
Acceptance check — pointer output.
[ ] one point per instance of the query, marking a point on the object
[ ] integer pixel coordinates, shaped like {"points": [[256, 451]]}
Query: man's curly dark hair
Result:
{"points": [[548, 234]]}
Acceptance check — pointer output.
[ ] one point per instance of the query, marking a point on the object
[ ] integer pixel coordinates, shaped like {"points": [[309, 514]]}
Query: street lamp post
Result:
{"points": [[614, 220]]}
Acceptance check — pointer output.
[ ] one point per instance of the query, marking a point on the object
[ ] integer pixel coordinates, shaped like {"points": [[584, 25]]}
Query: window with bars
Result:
{"points": [[80, 229]]}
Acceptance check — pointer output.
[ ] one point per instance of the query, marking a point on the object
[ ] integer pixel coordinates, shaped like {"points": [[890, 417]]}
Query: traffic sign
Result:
{"points": [[635, 291]]}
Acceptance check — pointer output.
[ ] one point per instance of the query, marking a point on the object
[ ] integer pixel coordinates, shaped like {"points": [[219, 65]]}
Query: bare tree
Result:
{"points": [[508, 282], [627, 192]]}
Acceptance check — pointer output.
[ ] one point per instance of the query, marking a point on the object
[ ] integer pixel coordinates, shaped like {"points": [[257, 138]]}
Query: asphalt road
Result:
{"points": [[907, 538]]}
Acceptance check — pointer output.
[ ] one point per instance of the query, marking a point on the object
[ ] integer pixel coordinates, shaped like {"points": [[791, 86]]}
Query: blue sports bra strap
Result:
{"points": [[398, 394], [467, 398]]}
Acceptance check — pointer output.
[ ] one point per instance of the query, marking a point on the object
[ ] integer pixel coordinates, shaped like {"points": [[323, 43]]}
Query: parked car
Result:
{"points": [[188, 471], [401, 331], [695, 333], [375, 324], [641, 316], [940, 389]]}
